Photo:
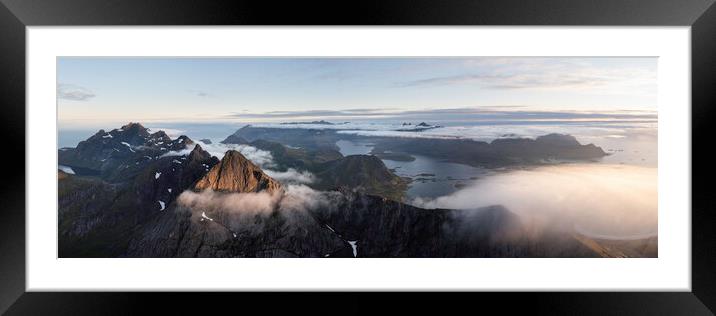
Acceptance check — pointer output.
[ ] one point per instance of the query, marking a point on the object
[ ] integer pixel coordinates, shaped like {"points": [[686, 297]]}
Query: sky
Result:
{"points": [[109, 91]]}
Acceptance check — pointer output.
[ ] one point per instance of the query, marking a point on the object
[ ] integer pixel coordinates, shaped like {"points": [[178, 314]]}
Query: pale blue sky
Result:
{"points": [[106, 91]]}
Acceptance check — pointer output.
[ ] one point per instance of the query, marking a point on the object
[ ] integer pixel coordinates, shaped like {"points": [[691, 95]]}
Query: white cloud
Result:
{"points": [[66, 169], [291, 198], [209, 200], [613, 200], [574, 74], [259, 157], [291, 176], [73, 92]]}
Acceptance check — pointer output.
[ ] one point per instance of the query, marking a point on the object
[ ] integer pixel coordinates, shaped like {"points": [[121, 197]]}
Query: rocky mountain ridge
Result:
{"points": [[120, 154], [237, 174]]}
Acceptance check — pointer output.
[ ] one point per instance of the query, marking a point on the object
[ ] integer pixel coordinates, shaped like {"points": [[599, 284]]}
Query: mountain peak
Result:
{"points": [[185, 139], [160, 134], [198, 153], [133, 133], [133, 126], [235, 173]]}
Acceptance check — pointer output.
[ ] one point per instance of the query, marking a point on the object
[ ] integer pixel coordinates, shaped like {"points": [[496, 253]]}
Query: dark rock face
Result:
{"points": [[205, 141], [191, 233], [385, 228], [237, 174], [357, 225], [164, 180], [97, 218]]}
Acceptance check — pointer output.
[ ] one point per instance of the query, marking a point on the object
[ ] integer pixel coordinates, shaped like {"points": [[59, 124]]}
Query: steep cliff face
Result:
{"points": [[161, 183], [186, 232], [379, 227], [237, 174], [97, 218]]}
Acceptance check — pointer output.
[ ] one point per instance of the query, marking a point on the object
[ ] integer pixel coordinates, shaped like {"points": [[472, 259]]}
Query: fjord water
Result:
{"points": [[430, 177]]}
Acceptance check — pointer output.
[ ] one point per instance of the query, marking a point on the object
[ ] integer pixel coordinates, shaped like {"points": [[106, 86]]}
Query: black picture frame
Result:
{"points": [[16, 15]]}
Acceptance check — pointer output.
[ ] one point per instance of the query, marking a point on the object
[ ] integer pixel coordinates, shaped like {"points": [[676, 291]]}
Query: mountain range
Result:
{"points": [[141, 194]]}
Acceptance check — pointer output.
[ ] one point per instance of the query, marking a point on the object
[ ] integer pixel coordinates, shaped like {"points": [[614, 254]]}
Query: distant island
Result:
{"points": [[321, 122], [420, 127]]}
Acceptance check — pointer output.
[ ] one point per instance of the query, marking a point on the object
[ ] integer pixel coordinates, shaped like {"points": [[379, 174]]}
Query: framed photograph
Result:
{"points": [[471, 147]]}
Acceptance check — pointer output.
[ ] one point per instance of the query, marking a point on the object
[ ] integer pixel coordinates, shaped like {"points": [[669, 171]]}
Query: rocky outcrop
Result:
{"points": [[237, 174], [366, 173]]}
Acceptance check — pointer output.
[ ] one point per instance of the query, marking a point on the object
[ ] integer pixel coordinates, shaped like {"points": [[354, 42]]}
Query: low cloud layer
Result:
{"points": [[210, 201], [616, 201], [259, 157], [291, 176], [291, 198]]}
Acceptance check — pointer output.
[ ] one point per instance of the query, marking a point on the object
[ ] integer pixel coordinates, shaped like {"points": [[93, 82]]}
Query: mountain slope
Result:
{"points": [[366, 173], [97, 218]]}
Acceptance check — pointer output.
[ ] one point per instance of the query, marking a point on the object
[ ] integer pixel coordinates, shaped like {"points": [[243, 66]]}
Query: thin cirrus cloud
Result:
{"points": [[73, 92], [544, 73], [200, 93], [521, 81]]}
